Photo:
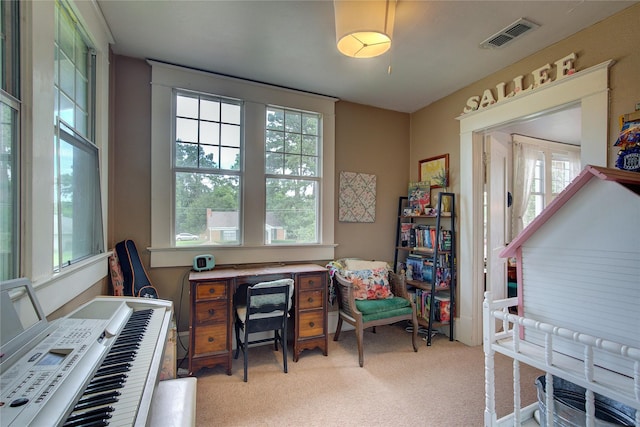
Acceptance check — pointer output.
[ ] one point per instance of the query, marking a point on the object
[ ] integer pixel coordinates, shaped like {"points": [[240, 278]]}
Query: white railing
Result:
{"points": [[582, 371]]}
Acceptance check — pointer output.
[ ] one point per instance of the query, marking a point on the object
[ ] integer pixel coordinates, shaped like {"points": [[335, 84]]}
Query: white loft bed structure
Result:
{"points": [[550, 357], [578, 303]]}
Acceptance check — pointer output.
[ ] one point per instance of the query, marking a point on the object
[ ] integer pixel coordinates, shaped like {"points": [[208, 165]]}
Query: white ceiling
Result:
{"points": [[435, 49]]}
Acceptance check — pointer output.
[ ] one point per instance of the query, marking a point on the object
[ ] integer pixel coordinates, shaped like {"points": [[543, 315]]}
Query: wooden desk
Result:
{"points": [[211, 319]]}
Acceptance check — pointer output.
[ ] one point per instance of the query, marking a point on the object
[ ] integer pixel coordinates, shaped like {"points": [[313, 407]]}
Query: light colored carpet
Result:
{"points": [[441, 385]]}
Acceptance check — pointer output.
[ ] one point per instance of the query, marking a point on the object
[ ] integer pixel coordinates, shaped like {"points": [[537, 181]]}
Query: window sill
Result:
{"points": [[183, 256], [55, 291]]}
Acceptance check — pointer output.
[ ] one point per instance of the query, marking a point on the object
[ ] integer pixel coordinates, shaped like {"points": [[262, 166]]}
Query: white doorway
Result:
{"points": [[589, 88], [552, 131]]}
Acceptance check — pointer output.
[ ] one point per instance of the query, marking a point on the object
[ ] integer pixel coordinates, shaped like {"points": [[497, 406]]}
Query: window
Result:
{"points": [[292, 166], [246, 167], [77, 212], [207, 168], [553, 171], [9, 140]]}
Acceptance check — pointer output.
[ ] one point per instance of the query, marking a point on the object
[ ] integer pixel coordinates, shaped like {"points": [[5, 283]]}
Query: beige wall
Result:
{"points": [[435, 130], [130, 177], [372, 141]]}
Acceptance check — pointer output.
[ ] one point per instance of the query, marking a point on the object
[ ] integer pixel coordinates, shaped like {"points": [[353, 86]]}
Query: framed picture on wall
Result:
{"points": [[435, 170]]}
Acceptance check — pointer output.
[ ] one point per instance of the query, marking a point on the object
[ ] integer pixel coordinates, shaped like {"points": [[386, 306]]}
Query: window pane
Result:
{"points": [[203, 127], [209, 156], [230, 158], [560, 173], [81, 90], [534, 207], [10, 48], [210, 110], [67, 75], [66, 34], [208, 206], [309, 166], [186, 155], [310, 124], [186, 130], [187, 106], [67, 110], [537, 184], [80, 120], [291, 164], [291, 215], [275, 118], [292, 121], [78, 213], [209, 132], [293, 143], [8, 192], [292, 204], [274, 163], [80, 54], [310, 145], [230, 114], [274, 141], [230, 135]]}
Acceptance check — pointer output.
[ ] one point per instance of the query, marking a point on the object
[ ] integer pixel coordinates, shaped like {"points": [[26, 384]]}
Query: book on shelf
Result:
{"points": [[445, 240], [414, 267], [405, 233], [443, 277], [442, 308], [419, 197], [424, 237]]}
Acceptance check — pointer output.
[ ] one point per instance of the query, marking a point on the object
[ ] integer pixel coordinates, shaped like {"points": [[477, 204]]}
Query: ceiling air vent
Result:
{"points": [[508, 34]]}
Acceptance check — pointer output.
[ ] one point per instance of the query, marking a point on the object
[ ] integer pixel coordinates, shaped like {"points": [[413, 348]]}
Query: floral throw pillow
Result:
{"points": [[369, 284]]}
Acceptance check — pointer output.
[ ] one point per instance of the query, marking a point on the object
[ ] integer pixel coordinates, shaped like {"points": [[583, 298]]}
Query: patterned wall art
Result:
{"points": [[357, 201]]}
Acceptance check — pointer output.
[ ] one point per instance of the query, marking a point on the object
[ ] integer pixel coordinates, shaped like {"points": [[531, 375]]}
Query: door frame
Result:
{"points": [[589, 88]]}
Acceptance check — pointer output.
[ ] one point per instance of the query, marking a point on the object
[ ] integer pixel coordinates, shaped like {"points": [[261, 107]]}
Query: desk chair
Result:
{"points": [[267, 309]]}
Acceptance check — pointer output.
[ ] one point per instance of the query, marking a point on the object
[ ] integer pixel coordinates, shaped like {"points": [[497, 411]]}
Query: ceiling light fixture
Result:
{"points": [[364, 28]]}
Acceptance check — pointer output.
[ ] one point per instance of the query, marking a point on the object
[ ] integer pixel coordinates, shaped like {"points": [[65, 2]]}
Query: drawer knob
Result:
{"points": [[212, 290], [210, 339], [312, 324], [211, 311], [310, 299], [311, 282]]}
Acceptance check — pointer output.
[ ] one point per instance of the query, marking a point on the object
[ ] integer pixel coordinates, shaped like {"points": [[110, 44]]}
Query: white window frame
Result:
{"points": [[78, 137], [315, 179], [202, 170], [54, 289], [10, 97], [256, 97]]}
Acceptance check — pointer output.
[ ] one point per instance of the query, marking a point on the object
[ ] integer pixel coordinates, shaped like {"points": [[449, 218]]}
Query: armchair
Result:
{"points": [[365, 313]]}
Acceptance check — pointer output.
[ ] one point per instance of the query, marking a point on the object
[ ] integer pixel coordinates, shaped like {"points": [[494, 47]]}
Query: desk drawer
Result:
{"points": [[311, 324], [211, 311], [211, 290], [310, 299], [311, 282], [210, 339]]}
